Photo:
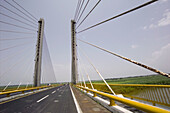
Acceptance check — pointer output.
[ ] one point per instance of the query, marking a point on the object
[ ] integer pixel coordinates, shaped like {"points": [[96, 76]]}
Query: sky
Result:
{"points": [[142, 35]]}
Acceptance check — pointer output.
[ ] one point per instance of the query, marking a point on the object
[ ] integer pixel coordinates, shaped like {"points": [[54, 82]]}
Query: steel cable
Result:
{"points": [[17, 14], [81, 5], [138, 7], [83, 11], [17, 20], [78, 5], [16, 25], [88, 14], [129, 60], [1, 30], [20, 11], [25, 10]]}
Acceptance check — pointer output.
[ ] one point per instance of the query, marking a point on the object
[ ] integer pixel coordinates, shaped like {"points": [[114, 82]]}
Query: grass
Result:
{"points": [[150, 79], [14, 87]]}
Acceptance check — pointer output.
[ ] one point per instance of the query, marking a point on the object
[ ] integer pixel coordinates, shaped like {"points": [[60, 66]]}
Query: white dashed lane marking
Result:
{"points": [[42, 98], [53, 92], [56, 100]]}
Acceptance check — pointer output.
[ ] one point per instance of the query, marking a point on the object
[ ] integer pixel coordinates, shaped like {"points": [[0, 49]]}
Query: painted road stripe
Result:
{"points": [[76, 103], [53, 92], [42, 98]]}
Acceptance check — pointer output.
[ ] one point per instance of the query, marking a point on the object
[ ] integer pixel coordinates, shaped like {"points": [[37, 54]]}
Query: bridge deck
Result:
{"points": [[55, 100]]}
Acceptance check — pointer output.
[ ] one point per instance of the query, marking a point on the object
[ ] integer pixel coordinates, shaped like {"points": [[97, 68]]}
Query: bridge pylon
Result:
{"points": [[38, 57], [74, 76]]}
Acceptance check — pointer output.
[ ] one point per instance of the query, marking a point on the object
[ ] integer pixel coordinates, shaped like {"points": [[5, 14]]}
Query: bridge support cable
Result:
{"points": [[88, 14], [17, 26], [20, 11], [25, 10], [4, 49], [98, 72], [20, 60], [18, 32], [17, 20], [79, 10], [124, 13], [83, 67], [10, 39], [48, 74], [82, 11], [18, 86], [80, 80], [82, 77], [129, 60], [18, 15], [6, 86], [38, 57], [13, 55], [74, 73], [26, 72]]}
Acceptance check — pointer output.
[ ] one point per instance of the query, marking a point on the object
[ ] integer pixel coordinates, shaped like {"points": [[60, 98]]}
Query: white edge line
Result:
{"points": [[42, 98], [76, 103], [53, 92]]}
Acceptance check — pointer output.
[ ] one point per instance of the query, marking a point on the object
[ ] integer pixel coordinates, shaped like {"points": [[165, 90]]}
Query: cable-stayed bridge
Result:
{"points": [[28, 81]]}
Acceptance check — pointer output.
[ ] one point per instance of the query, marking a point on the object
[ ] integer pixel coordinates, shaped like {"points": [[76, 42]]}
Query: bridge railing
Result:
{"points": [[7, 93], [155, 94], [138, 105]]}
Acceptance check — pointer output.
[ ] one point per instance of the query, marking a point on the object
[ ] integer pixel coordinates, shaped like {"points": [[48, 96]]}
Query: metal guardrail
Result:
{"points": [[138, 105], [22, 90], [156, 94]]}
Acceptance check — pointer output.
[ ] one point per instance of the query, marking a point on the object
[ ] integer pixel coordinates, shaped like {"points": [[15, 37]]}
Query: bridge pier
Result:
{"points": [[38, 57], [74, 76]]}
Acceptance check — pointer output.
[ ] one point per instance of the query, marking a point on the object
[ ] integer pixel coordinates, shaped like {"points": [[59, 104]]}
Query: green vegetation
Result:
{"points": [[14, 87], [150, 79]]}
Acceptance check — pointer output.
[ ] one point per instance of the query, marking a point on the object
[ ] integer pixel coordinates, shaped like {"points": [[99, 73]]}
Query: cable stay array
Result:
{"points": [[16, 25], [78, 15], [90, 62], [18, 40], [48, 74], [17, 20], [35, 19], [79, 10], [129, 60], [119, 15], [20, 11], [88, 14], [82, 11], [83, 67], [34, 23], [4, 49], [10, 39]]}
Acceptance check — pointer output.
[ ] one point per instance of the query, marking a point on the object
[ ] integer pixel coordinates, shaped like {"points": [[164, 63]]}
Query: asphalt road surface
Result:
{"points": [[55, 100]]}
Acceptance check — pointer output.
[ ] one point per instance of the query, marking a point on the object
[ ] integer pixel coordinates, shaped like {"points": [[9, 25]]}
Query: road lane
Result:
{"points": [[55, 100]]}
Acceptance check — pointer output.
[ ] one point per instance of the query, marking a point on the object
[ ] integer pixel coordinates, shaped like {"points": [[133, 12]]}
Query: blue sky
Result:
{"points": [[142, 35]]}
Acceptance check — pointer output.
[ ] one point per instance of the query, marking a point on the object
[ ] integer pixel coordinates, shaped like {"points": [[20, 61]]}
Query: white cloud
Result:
{"points": [[145, 27], [164, 50], [164, 0], [134, 46], [161, 58], [152, 26], [162, 22], [165, 20]]}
